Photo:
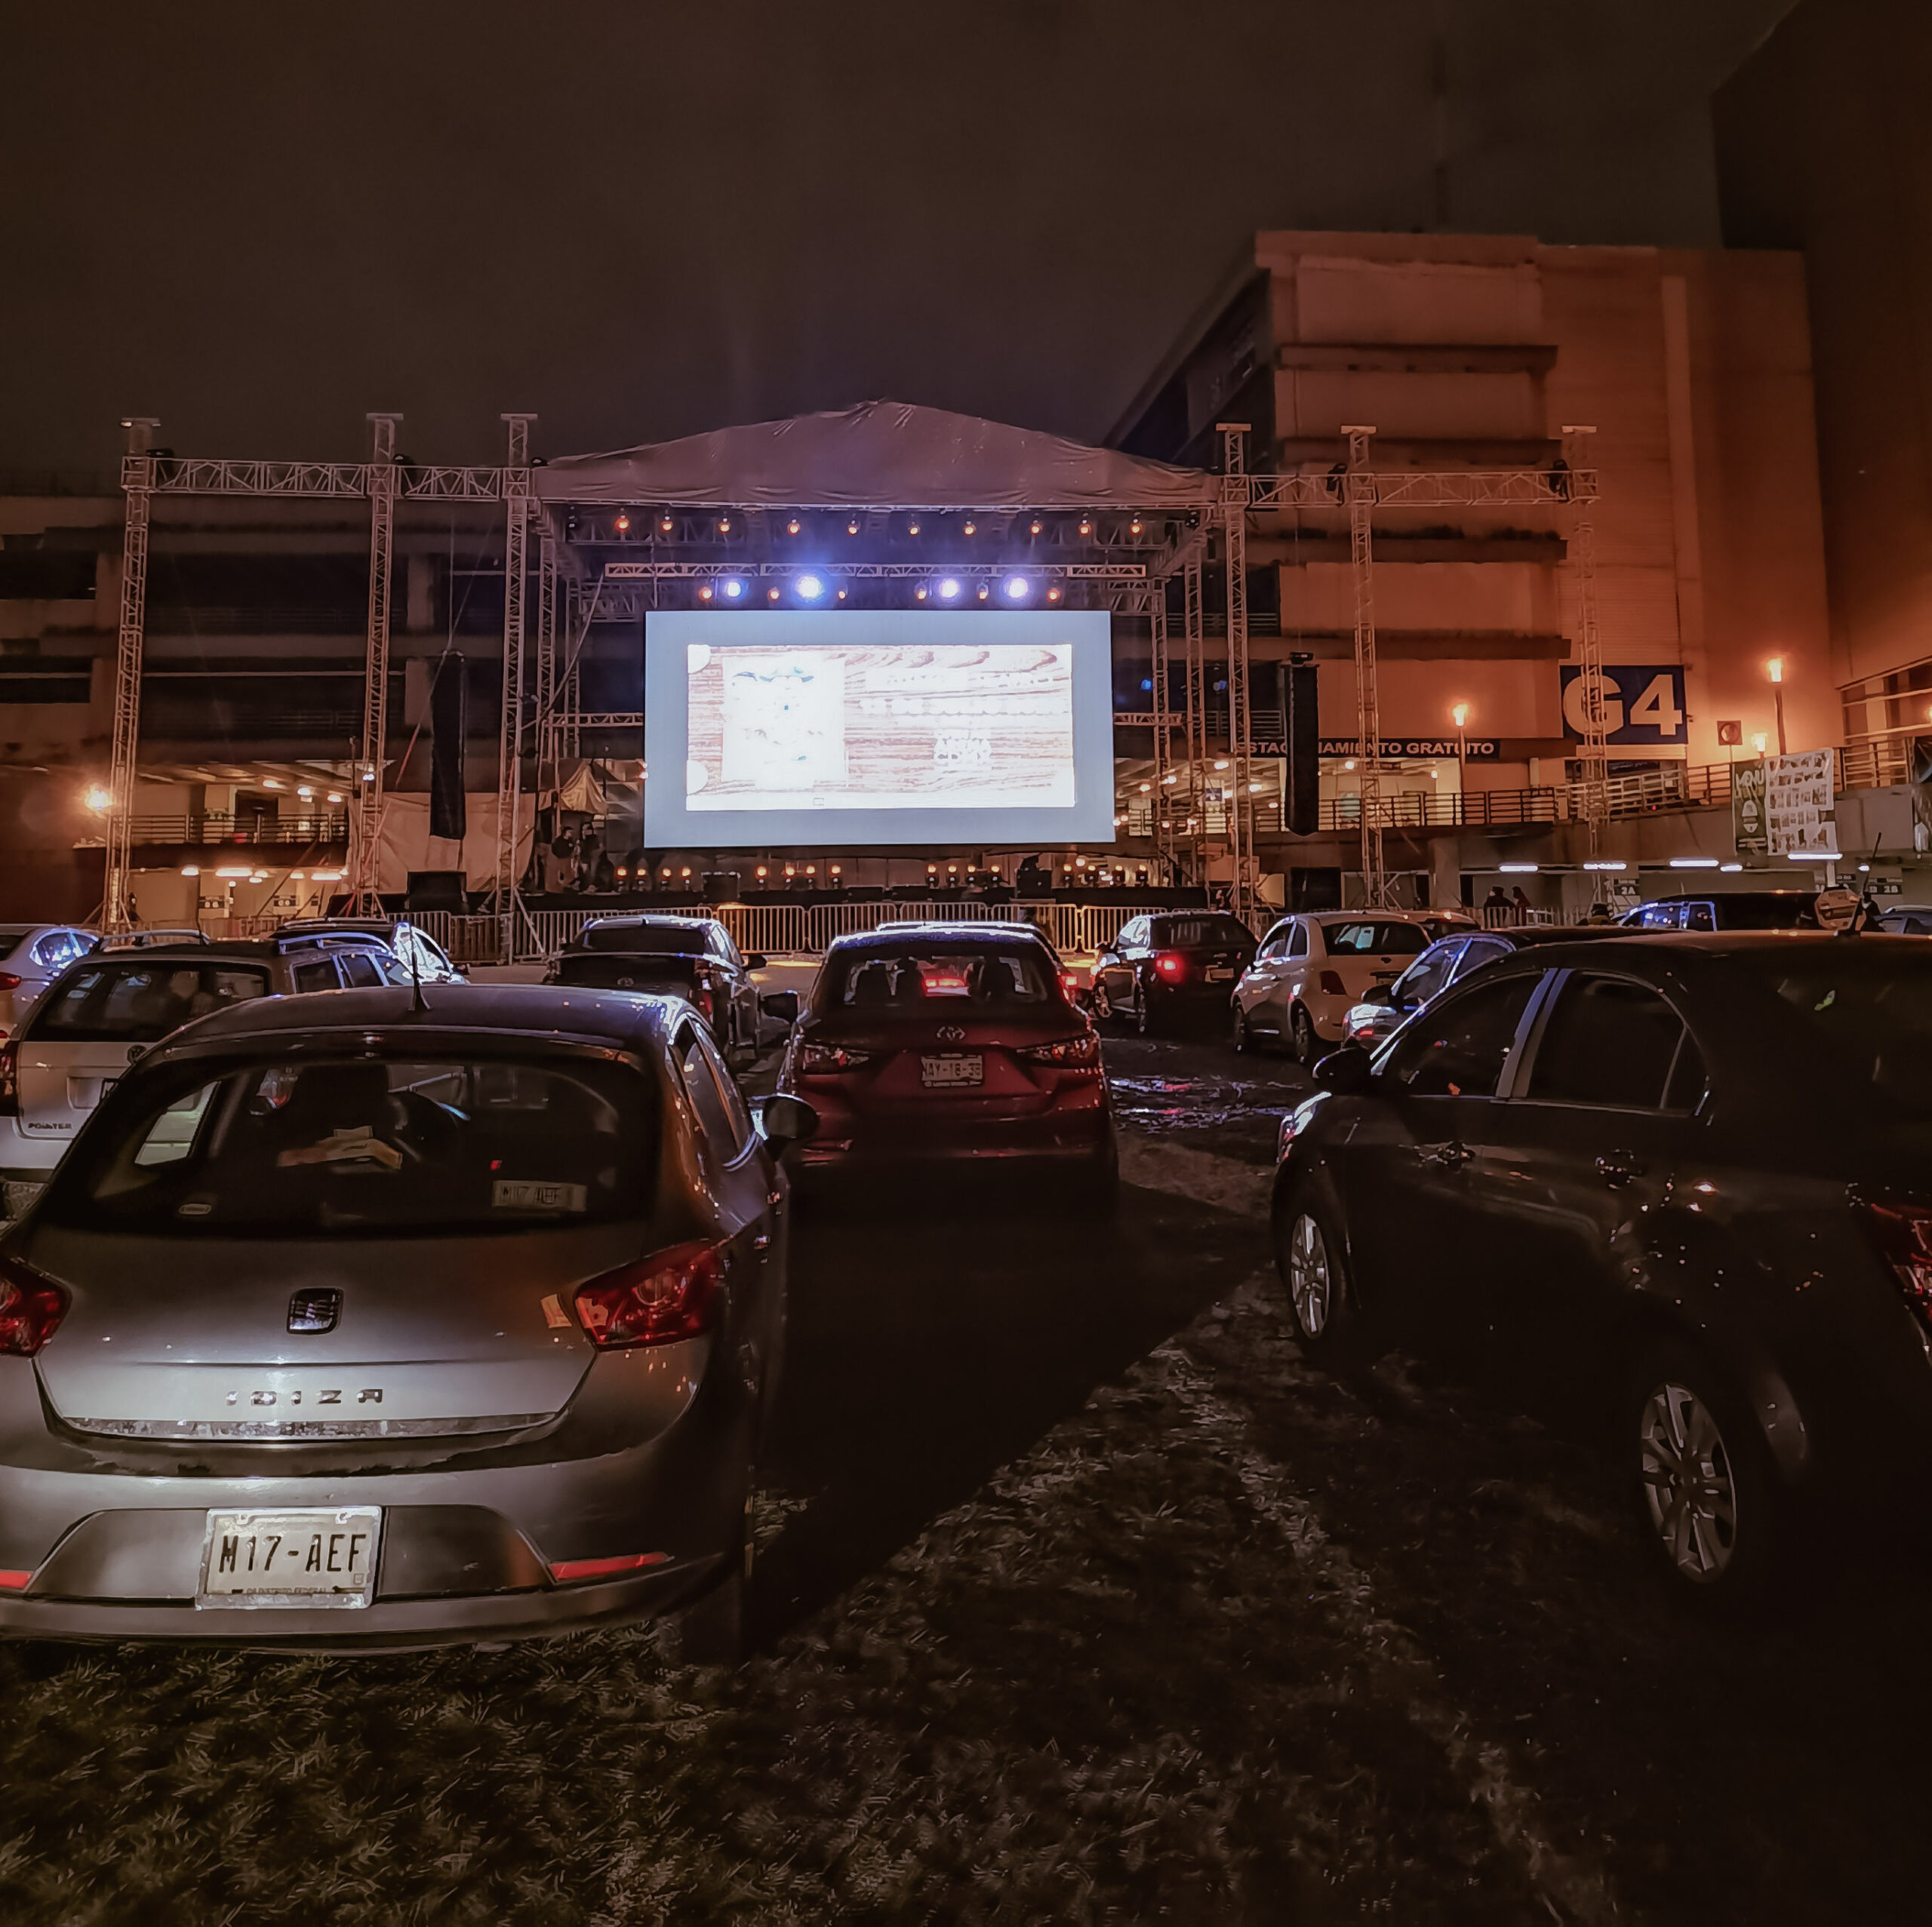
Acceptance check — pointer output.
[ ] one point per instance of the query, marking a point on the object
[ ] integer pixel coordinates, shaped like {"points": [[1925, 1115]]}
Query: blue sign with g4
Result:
{"points": [[1641, 702]]}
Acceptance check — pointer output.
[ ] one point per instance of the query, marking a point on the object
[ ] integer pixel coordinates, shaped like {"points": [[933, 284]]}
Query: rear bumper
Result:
{"points": [[25, 1160], [1061, 1135]]}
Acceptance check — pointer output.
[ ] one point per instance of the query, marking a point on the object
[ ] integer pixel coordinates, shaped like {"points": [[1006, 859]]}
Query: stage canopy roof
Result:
{"points": [[875, 455]]}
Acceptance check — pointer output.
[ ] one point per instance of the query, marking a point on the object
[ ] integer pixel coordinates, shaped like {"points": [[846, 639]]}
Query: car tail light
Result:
{"points": [[8, 981], [15, 1582], [1331, 982], [567, 1570], [671, 1294], [10, 1078], [1069, 984], [1171, 965], [1070, 1052], [1905, 1236], [30, 1307], [820, 1060]]}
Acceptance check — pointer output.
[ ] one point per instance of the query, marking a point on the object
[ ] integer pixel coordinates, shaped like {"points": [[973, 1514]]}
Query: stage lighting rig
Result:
{"points": [[1015, 587], [949, 588], [733, 589], [810, 588]]}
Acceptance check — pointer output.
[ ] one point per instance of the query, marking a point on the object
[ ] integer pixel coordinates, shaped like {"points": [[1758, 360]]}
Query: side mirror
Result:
{"points": [[788, 1119], [1344, 1071], [783, 1004], [755, 962]]}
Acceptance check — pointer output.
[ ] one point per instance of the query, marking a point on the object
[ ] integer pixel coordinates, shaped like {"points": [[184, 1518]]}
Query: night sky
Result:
{"points": [[642, 221]]}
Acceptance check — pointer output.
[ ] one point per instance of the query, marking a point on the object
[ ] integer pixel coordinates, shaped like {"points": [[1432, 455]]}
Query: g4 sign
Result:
{"points": [[1642, 703]]}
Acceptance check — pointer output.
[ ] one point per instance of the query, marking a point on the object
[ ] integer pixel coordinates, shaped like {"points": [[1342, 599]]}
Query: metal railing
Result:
{"points": [[215, 828]]}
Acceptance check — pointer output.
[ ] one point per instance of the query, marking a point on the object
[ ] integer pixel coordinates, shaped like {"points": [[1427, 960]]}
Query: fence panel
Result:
{"points": [[771, 928]]}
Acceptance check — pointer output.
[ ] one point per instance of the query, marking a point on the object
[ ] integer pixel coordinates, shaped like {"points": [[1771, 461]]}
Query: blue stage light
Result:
{"points": [[949, 589], [1017, 587], [811, 587], [733, 589]]}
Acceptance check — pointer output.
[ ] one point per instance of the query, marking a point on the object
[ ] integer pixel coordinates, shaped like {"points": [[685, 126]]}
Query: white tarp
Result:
{"points": [[887, 454], [1799, 802], [404, 842]]}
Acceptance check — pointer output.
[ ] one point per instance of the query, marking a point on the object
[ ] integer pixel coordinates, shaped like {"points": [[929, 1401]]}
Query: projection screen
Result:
{"points": [[769, 728]]}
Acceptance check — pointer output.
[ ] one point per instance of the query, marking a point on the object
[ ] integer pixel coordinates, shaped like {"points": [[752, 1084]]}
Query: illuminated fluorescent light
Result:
{"points": [[1605, 863], [1518, 869], [1694, 862], [1816, 855], [1730, 869], [234, 874]]}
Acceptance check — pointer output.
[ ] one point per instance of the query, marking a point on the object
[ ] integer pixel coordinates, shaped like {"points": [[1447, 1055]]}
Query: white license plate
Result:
{"points": [[319, 1556], [1219, 976], [948, 1073]]}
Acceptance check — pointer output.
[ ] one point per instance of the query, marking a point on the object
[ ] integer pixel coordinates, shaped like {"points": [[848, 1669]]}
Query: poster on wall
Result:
{"points": [[1643, 703], [1747, 810], [1800, 812]]}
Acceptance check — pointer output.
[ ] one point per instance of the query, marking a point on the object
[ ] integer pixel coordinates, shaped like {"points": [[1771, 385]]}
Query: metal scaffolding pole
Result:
{"points": [[518, 501], [546, 677], [137, 481], [365, 896], [1164, 761], [1595, 761], [1197, 711], [1360, 485], [1241, 718]]}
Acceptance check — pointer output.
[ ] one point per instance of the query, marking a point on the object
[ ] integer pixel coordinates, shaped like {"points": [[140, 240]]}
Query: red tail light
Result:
{"points": [[1905, 1236], [15, 1582], [670, 1295], [1331, 982], [1069, 984], [566, 1570], [8, 981], [1171, 965], [824, 1060], [31, 1307], [10, 1078], [1072, 1053]]}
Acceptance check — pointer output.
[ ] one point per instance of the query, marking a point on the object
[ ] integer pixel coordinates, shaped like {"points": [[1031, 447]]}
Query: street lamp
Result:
{"points": [[1775, 669], [1460, 714]]}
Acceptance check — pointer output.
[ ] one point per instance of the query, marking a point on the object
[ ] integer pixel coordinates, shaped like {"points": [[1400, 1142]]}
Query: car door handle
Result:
{"points": [[1451, 1156], [1618, 1168]]}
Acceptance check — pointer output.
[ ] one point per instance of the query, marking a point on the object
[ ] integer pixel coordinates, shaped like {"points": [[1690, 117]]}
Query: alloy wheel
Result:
{"points": [[1304, 1035], [1689, 1484], [1311, 1280], [1244, 1037]]}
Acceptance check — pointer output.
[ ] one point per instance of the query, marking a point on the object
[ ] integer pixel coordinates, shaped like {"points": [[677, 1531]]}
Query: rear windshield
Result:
{"points": [[1871, 1007], [1205, 934], [140, 1000], [1371, 937], [11, 941], [364, 1149], [919, 976], [658, 939]]}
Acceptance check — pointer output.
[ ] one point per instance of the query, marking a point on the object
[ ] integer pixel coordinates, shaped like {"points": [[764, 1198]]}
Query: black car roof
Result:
{"points": [[523, 1010]]}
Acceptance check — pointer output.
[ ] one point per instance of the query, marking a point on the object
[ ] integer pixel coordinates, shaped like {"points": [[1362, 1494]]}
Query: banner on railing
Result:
{"points": [[1747, 810], [1800, 814]]}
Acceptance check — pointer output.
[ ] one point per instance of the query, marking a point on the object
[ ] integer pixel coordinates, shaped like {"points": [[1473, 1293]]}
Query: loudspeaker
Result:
{"points": [[449, 814], [1301, 733]]}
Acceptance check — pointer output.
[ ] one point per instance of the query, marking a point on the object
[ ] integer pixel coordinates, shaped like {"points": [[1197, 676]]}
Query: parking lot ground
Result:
{"points": [[1079, 1597]]}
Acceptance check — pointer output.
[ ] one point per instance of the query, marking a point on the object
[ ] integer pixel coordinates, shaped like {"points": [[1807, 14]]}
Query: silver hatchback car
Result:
{"points": [[392, 1319]]}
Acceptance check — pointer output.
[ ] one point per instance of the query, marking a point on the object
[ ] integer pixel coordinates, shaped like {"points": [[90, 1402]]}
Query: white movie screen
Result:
{"points": [[769, 728]]}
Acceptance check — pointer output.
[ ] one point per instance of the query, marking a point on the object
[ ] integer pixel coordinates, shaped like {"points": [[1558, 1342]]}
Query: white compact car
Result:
{"points": [[1312, 967], [32, 955]]}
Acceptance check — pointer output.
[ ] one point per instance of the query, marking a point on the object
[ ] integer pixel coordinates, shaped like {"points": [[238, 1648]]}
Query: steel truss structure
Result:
{"points": [[551, 723]]}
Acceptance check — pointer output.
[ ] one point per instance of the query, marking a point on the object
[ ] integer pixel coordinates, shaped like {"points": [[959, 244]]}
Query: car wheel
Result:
{"points": [[1301, 1032], [1143, 1012], [1706, 1495], [1308, 1253], [1104, 1007], [1245, 1040]]}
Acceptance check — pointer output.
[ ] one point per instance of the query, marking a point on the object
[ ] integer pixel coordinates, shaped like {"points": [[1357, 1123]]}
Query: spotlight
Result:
{"points": [[1016, 588], [948, 591], [1086, 525], [982, 591], [1033, 527], [98, 799], [842, 595], [912, 527], [852, 526], [733, 589], [811, 587], [919, 594], [761, 869], [1133, 527], [335, 796], [623, 525], [834, 869], [771, 595], [305, 792], [704, 594], [665, 524], [1053, 595], [724, 525], [791, 528], [685, 872]]}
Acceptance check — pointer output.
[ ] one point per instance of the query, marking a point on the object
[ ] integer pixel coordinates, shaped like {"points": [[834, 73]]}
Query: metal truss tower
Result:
{"points": [[545, 680], [136, 482], [1361, 485], [1162, 825], [1193, 626], [518, 501], [364, 898], [1241, 715], [1595, 761]]}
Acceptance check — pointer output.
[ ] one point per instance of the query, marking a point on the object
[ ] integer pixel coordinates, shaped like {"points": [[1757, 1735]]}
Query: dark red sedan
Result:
{"points": [[952, 1044]]}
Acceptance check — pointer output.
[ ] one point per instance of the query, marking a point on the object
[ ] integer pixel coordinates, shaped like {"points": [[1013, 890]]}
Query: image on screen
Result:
{"points": [[877, 727]]}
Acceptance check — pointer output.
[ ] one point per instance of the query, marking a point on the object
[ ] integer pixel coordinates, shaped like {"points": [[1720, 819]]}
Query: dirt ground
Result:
{"points": [[1079, 1597]]}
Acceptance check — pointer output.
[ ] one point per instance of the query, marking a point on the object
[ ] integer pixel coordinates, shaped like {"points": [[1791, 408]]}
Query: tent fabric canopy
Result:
{"points": [[876, 454]]}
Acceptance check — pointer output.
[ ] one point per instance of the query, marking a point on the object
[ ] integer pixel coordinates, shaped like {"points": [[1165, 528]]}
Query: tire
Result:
{"points": [[1706, 1498], [1301, 1032], [1103, 1005], [1309, 1254], [1245, 1041], [1143, 1014]]}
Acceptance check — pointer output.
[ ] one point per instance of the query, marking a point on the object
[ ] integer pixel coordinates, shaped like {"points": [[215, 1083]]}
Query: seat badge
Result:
{"points": [[952, 1034], [314, 1311]]}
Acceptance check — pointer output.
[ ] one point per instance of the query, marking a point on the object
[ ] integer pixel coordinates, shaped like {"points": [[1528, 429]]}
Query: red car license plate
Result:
{"points": [[951, 1073]]}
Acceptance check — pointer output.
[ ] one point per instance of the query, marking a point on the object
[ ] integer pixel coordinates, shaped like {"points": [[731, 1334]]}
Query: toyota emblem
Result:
{"points": [[952, 1034]]}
